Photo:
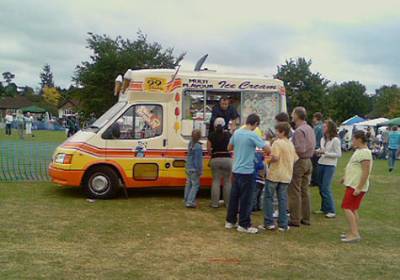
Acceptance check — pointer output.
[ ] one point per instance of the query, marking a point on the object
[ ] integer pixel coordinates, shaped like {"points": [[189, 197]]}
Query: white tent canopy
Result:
{"points": [[373, 122]]}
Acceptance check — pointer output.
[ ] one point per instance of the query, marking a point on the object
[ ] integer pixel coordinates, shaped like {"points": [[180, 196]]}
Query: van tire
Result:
{"points": [[101, 182]]}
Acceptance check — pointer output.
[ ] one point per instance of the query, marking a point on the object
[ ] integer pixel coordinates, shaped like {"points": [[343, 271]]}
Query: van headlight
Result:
{"points": [[63, 158]]}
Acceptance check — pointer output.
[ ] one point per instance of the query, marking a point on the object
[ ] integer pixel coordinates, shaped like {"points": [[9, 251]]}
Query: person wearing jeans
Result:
{"points": [[329, 152], [393, 147], [279, 176], [194, 169], [9, 119], [244, 142], [220, 163], [281, 193]]}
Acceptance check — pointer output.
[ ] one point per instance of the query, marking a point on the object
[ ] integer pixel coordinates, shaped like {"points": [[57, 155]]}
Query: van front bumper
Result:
{"points": [[65, 177]]}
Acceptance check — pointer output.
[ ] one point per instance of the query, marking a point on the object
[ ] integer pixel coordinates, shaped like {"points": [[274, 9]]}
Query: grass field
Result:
{"points": [[39, 136], [49, 232]]}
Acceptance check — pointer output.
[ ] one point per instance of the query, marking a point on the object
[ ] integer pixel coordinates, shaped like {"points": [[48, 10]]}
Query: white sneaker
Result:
{"points": [[262, 227], [330, 215], [251, 230], [284, 229], [229, 225]]}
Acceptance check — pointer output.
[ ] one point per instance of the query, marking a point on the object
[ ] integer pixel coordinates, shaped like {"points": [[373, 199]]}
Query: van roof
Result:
{"points": [[203, 74]]}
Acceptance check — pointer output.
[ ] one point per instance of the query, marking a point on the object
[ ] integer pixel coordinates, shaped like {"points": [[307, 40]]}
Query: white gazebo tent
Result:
{"points": [[371, 123]]}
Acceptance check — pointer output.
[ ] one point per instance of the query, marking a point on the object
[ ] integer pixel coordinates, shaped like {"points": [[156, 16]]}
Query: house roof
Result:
{"points": [[15, 102], [73, 102]]}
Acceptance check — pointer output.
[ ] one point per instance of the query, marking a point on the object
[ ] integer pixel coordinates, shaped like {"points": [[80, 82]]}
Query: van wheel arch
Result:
{"points": [[102, 181]]}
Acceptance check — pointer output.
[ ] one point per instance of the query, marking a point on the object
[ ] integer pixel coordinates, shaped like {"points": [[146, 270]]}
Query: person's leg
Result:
{"points": [[268, 208], [227, 177], [233, 206], [321, 173], [315, 175], [294, 192], [188, 187], [195, 186], [305, 194], [328, 203], [390, 159], [282, 205], [246, 186], [355, 212], [352, 221], [216, 181]]}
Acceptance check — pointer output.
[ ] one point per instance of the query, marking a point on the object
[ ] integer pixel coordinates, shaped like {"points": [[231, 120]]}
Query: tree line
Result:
{"points": [[94, 81]]}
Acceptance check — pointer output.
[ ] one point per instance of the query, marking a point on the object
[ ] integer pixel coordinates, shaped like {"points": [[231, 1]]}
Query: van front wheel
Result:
{"points": [[101, 182]]}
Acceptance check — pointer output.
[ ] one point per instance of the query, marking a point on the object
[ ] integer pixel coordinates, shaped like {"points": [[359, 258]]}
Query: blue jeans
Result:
{"points": [[269, 190], [241, 199], [392, 157], [192, 187], [326, 173]]}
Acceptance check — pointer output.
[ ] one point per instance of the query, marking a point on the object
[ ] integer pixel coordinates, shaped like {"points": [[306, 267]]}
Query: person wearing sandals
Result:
{"points": [[220, 163], [194, 169], [356, 180], [328, 154], [283, 157]]}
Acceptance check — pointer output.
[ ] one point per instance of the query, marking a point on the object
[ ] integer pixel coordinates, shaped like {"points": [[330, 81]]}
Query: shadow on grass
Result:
{"points": [[73, 192]]}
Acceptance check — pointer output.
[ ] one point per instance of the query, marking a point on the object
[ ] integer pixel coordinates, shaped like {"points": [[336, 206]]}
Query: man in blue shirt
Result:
{"points": [[226, 111], [244, 143], [393, 147], [319, 133]]}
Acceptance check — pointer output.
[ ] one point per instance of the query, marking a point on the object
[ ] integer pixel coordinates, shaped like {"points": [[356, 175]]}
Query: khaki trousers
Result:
{"points": [[299, 197]]}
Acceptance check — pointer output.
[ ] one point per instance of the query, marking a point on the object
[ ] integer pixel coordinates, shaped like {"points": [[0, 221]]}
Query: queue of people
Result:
{"points": [[283, 176]]}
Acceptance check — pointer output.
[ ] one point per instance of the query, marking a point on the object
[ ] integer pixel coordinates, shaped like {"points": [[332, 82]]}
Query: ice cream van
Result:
{"points": [[142, 140]]}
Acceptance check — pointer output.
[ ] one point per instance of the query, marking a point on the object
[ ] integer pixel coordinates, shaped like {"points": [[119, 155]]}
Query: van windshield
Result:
{"points": [[104, 119]]}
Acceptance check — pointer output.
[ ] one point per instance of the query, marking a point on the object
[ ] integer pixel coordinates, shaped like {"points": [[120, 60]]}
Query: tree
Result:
{"points": [[303, 87], [348, 99], [51, 95], [387, 102], [46, 77], [8, 77], [113, 56]]}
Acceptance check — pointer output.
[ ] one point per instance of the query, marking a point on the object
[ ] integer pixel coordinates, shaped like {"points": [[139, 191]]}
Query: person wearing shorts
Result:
{"points": [[356, 180]]}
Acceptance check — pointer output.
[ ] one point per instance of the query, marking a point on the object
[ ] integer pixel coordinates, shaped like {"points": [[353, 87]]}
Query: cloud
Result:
{"points": [[345, 39]]}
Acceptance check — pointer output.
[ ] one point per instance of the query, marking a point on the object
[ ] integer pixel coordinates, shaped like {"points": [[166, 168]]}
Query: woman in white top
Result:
{"points": [[330, 151], [28, 124]]}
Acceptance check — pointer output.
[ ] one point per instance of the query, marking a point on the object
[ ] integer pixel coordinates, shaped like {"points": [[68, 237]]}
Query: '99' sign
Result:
{"points": [[155, 84]]}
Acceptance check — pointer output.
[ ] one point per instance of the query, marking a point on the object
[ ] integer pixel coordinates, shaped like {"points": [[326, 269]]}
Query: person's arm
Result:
{"points": [[198, 159], [365, 166], [261, 144], [299, 142], [275, 153], [234, 116], [335, 151]]}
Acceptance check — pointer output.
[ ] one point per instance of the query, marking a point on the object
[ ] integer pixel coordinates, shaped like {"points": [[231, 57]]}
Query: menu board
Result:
{"points": [[264, 105]]}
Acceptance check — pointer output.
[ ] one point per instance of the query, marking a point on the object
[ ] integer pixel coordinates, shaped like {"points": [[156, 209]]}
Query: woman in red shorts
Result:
{"points": [[356, 180]]}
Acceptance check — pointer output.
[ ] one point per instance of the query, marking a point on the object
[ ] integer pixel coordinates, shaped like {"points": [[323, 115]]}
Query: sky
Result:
{"points": [[346, 40]]}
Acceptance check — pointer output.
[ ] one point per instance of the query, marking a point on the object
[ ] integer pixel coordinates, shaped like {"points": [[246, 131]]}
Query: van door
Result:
{"points": [[136, 143]]}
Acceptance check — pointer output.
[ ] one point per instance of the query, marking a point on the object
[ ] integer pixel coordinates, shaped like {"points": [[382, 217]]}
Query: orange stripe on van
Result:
{"points": [[115, 152]]}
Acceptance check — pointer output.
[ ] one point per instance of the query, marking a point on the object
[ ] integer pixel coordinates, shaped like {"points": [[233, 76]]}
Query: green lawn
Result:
{"points": [[40, 136], [49, 232]]}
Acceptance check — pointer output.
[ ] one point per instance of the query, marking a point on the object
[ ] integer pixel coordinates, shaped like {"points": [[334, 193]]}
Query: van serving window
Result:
{"points": [[197, 106], [138, 122]]}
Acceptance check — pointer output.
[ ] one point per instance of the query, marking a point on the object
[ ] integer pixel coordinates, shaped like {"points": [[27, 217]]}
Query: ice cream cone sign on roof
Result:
{"points": [[118, 85]]}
